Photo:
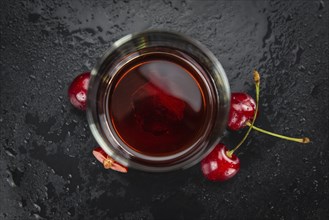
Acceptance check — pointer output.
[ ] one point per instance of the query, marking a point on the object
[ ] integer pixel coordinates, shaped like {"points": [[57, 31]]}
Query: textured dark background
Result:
{"points": [[46, 167]]}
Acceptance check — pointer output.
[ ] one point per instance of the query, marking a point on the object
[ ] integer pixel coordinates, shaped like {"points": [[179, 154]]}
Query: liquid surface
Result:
{"points": [[157, 107]]}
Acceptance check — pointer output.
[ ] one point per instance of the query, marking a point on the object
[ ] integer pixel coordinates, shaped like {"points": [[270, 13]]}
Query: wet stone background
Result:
{"points": [[46, 168]]}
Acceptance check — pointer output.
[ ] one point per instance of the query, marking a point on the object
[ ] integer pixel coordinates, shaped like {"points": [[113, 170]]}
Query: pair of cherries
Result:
{"points": [[220, 164]]}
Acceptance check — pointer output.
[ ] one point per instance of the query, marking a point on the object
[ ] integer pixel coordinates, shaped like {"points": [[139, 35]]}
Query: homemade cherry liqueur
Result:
{"points": [[157, 106]]}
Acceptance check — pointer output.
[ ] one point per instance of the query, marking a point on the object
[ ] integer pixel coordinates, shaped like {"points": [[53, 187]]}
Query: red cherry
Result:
{"points": [[107, 161], [99, 154], [78, 91], [218, 166], [242, 110]]}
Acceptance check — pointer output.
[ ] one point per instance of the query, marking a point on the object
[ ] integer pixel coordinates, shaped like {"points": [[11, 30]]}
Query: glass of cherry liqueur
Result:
{"points": [[158, 101]]}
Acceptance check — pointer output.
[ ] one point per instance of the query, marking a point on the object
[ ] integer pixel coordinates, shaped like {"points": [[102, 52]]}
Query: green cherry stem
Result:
{"points": [[257, 83], [304, 140]]}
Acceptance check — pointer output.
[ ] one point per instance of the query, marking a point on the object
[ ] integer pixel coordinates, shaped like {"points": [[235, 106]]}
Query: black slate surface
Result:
{"points": [[46, 167]]}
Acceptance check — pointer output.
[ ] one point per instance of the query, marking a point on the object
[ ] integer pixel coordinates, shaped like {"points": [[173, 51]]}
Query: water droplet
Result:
{"points": [[297, 52], [37, 207], [36, 216], [316, 184], [321, 5], [71, 211], [10, 152], [9, 179], [22, 203], [316, 202], [24, 105]]}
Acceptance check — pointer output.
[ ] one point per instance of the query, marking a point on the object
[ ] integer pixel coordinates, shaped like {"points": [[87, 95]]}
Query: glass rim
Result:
{"points": [[219, 80]]}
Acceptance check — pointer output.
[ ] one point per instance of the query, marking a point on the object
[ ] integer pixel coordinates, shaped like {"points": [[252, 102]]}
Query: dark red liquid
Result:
{"points": [[157, 106]]}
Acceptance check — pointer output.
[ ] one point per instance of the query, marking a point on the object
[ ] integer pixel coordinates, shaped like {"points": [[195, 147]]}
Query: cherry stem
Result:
{"points": [[304, 140], [257, 83]]}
